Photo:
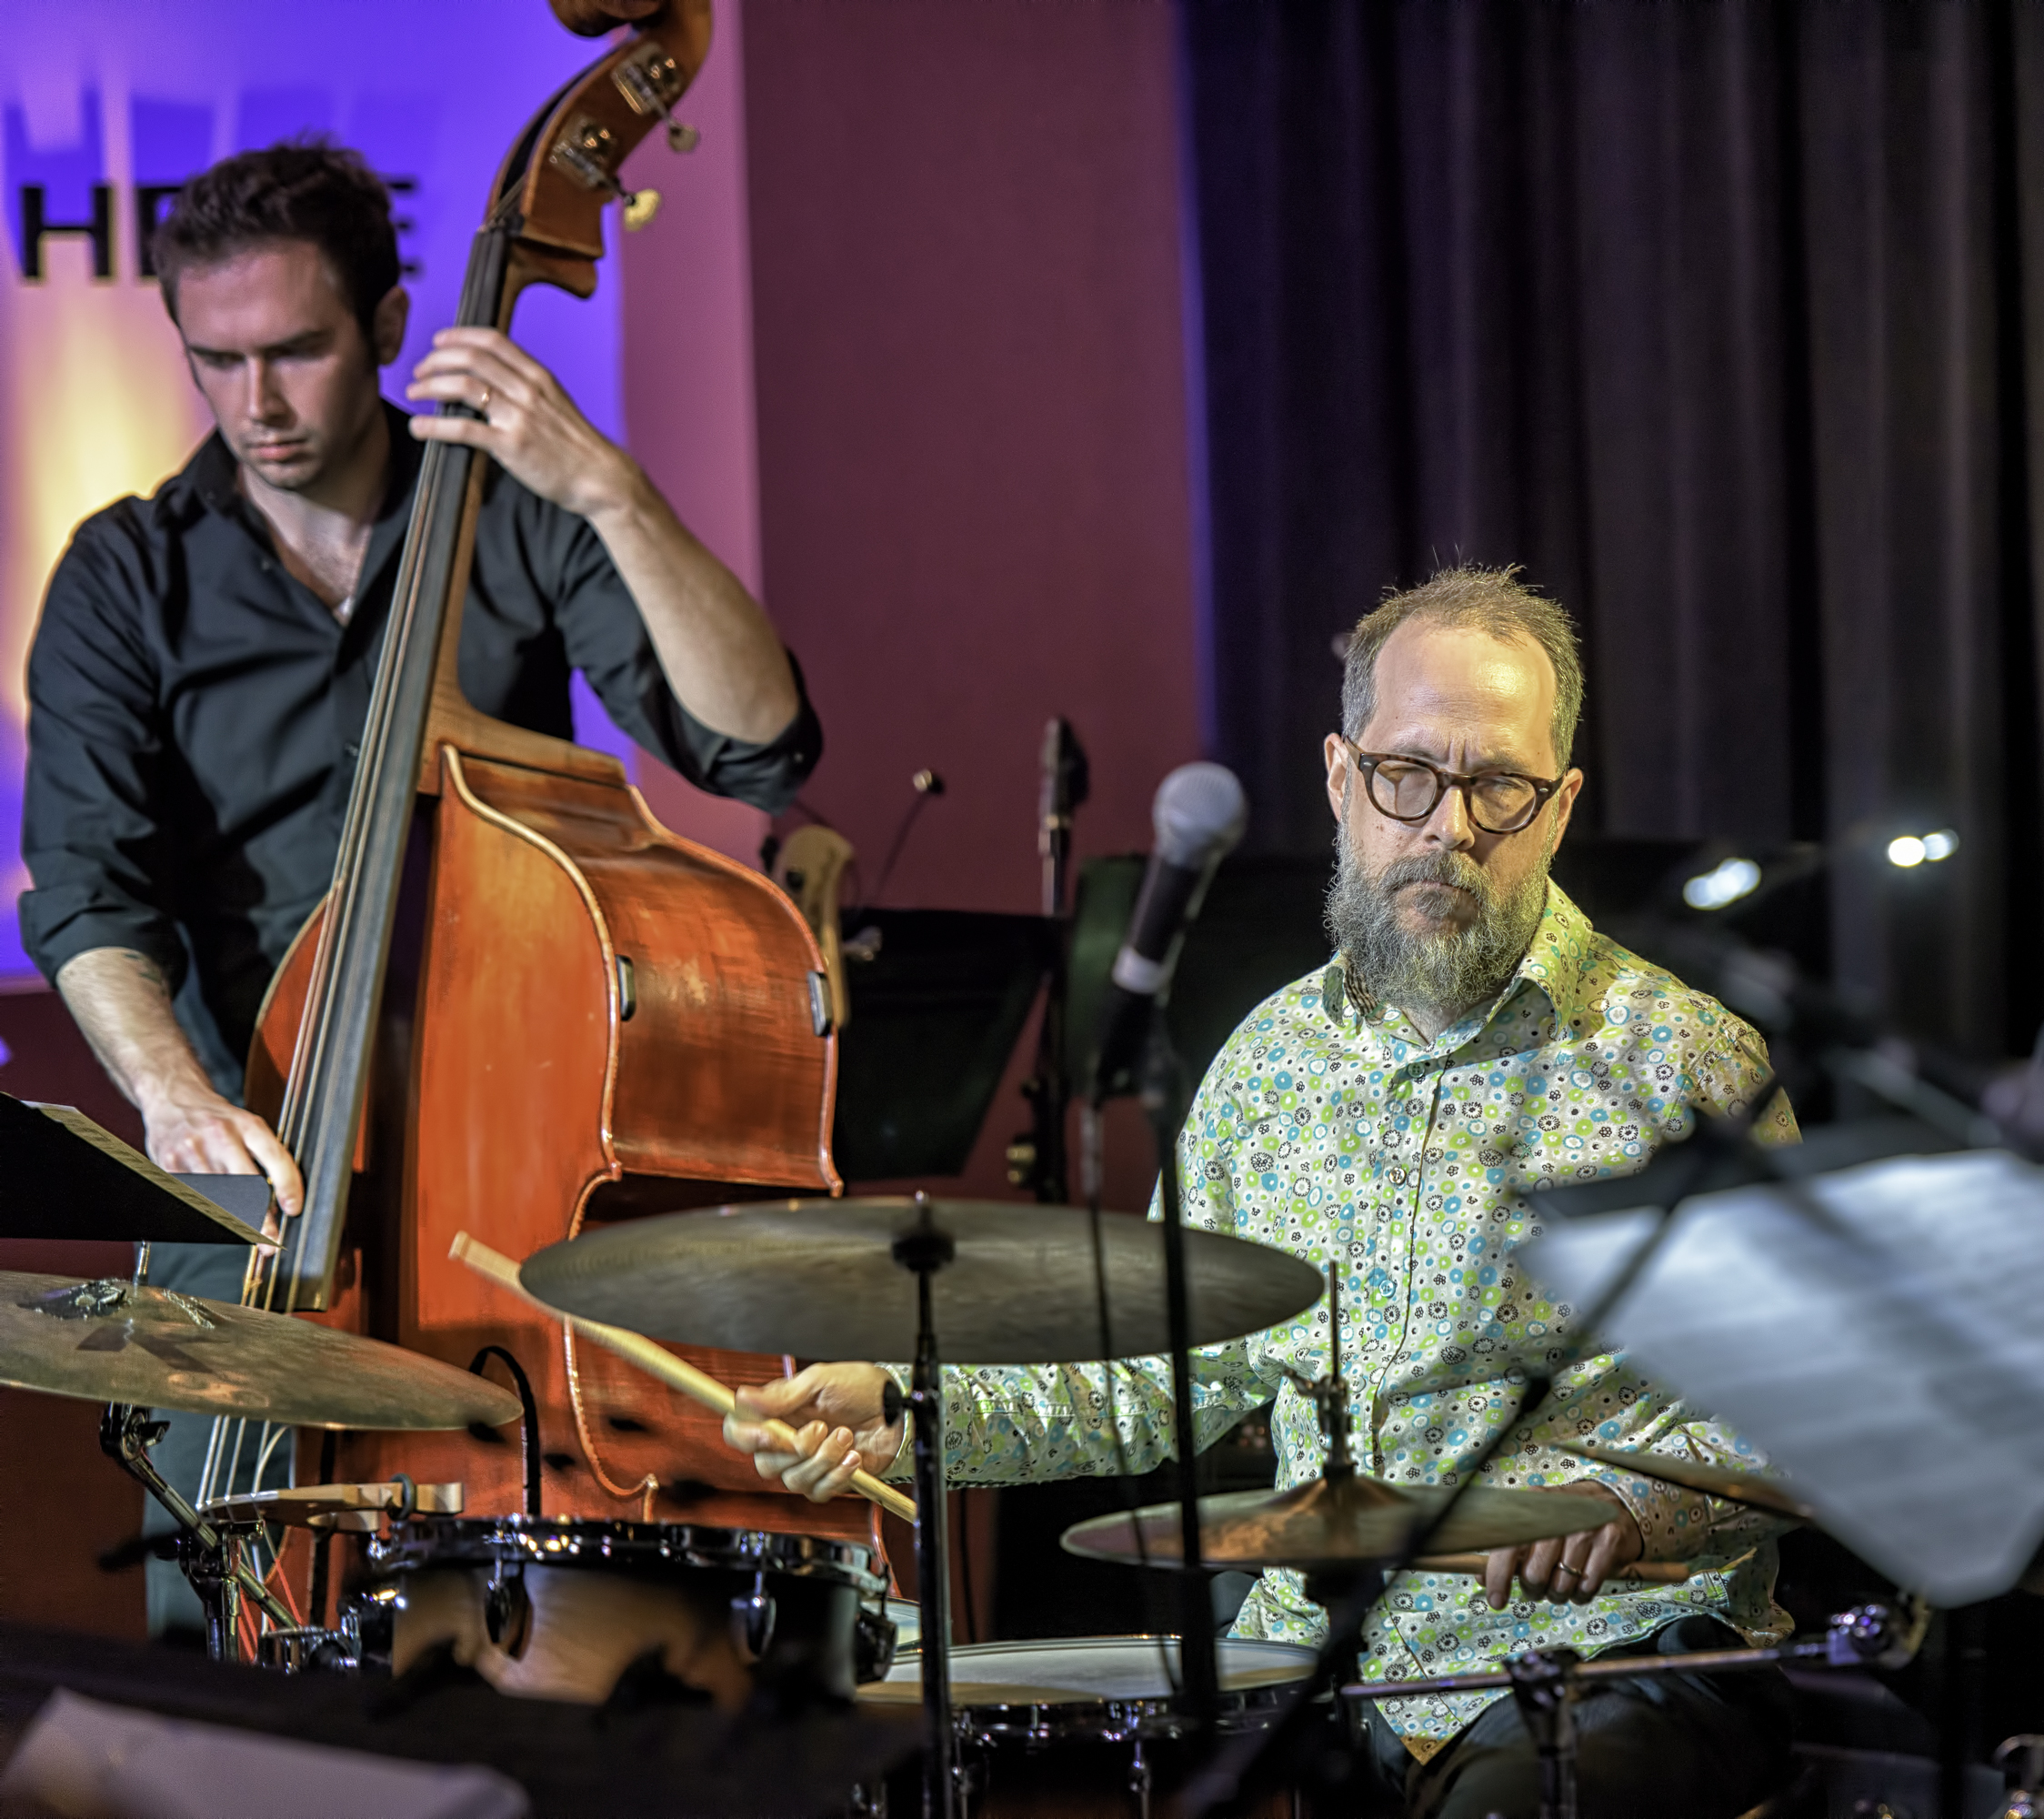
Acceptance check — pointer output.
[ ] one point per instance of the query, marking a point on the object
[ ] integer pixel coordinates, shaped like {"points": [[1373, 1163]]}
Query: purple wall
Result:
{"points": [[94, 398]]}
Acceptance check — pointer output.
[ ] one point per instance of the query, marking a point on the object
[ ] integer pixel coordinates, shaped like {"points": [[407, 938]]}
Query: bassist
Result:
{"points": [[201, 673]]}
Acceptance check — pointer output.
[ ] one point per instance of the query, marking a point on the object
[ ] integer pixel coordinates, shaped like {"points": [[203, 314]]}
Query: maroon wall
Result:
{"points": [[970, 383], [971, 413], [63, 1503]]}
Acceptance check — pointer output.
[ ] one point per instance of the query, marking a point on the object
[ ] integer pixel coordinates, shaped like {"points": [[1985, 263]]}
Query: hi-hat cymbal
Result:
{"points": [[109, 1341], [1329, 1523], [818, 1278], [1695, 1474]]}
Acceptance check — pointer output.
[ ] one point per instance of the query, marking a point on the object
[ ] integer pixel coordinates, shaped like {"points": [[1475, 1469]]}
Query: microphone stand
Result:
{"points": [[1038, 1158], [1163, 1096]]}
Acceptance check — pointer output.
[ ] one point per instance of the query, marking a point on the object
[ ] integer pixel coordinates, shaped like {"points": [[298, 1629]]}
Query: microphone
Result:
{"points": [[1199, 815]]}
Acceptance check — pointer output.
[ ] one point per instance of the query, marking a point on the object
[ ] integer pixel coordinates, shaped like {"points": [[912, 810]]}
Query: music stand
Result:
{"points": [[1872, 1329], [935, 1011], [69, 1179]]}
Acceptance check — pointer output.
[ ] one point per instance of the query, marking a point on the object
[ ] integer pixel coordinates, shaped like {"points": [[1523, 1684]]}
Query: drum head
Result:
{"points": [[1092, 1669]]}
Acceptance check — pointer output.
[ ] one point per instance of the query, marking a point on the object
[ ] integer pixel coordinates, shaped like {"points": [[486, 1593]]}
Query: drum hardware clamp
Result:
{"points": [[1546, 1682]]}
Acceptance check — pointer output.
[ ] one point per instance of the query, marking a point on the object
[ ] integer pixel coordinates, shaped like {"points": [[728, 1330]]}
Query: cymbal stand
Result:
{"points": [[925, 1250], [208, 1553], [1330, 1588], [1162, 1089], [2023, 1757], [1547, 1683]]}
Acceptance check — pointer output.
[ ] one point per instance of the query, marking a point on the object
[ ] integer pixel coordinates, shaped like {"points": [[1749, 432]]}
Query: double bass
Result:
{"points": [[525, 1006]]}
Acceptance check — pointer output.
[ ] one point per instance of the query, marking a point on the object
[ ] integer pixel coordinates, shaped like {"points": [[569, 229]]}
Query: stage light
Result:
{"points": [[1725, 883], [1910, 851]]}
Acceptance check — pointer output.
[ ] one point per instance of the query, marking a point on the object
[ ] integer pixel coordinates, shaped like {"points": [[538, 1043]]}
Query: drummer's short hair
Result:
{"points": [[301, 189], [1492, 600]]}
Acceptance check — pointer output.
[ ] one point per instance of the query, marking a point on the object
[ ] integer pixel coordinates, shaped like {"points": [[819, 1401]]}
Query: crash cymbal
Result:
{"points": [[1330, 1523], [819, 1278], [109, 1341], [1694, 1474]]}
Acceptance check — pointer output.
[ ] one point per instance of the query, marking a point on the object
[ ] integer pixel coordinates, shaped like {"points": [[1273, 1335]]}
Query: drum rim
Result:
{"points": [[1140, 1638], [587, 1543], [1105, 1719]]}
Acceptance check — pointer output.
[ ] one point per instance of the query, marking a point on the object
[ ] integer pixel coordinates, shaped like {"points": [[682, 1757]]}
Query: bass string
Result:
{"points": [[344, 891], [437, 512], [338, 929], [482, 278], [351, 915]]}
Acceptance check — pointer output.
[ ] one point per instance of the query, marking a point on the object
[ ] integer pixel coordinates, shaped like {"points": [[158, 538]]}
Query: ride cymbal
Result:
{"points": [[1330, 1523], [109, 1341], [819, 1278], [1696, 1474]]}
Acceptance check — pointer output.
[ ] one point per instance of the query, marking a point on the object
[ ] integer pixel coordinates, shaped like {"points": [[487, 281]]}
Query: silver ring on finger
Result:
{"points": [[1573, 1572]]}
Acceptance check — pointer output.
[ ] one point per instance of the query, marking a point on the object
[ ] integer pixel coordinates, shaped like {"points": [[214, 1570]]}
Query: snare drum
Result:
{"points": [[1087, 1725], [559, 1609]]}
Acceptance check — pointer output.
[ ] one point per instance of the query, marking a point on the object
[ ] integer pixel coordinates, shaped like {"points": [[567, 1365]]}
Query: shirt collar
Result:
{"points": [[207, 482], [1561, 957], [1558, 963]]}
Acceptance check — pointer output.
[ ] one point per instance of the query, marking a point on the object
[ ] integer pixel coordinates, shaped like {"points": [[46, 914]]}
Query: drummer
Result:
{"points": [[1474, 1032]]}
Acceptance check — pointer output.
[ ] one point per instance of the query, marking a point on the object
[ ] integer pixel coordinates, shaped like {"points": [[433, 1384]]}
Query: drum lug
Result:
{"points": [[756, 1614], [1140, 1780], [967, 1774], [874, 1640], [508, 1609]]}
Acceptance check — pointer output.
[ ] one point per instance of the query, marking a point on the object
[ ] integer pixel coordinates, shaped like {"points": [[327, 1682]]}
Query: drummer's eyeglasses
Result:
{"points": [[1409, 789]]}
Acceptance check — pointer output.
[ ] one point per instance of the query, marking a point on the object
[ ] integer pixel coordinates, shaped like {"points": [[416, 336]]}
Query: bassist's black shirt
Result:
{"points": [[195, 712]]}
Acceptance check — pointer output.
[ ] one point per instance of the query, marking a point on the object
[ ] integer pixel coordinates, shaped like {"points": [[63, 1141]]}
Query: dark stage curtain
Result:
{"points": [[1722, 319]]}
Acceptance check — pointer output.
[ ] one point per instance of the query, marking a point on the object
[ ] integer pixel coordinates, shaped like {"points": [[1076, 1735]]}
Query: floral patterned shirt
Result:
{"points": [[1335, 1131]]}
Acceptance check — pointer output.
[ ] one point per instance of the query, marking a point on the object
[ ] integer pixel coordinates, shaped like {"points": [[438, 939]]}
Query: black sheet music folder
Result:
{"points": [[63, 1177]]}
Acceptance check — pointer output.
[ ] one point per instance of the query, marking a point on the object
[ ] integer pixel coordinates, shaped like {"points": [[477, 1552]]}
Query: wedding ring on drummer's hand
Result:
{"points": [[483, 404]]}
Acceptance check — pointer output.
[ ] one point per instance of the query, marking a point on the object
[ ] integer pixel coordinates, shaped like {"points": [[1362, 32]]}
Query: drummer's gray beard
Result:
{"points": [[1439, 978]]}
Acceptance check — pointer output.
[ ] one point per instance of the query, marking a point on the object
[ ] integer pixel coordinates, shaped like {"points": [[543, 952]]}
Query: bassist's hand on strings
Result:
{"points": [[720, 654], [201, 1133], [528, 424], [122, 1002]]}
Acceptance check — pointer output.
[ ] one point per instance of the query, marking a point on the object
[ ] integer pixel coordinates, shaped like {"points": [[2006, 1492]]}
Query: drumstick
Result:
{"points": [[1642, 1571], [656, 1361]]}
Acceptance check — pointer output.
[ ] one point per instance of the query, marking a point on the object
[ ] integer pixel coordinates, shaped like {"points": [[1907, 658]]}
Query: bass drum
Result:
{"points": [[561, 1609], [1089, 1725]]}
